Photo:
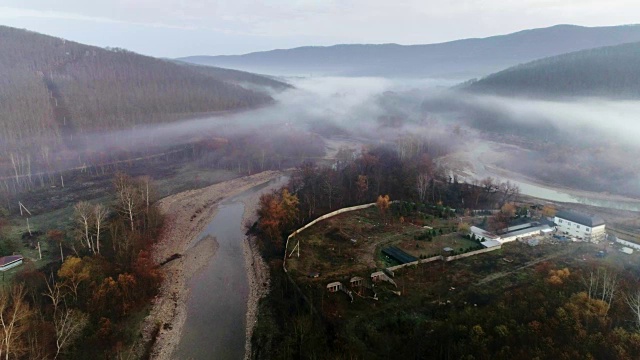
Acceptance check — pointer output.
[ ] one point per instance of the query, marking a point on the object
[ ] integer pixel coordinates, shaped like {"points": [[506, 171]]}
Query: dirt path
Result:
{"points": [[187, 214]]}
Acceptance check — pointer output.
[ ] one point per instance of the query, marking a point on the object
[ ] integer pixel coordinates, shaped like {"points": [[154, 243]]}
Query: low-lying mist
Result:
{"points": [[578, 143]]}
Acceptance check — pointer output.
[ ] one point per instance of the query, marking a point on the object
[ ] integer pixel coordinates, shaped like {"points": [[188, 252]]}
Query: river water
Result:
{"points": [[215, 327], [483, 155]]}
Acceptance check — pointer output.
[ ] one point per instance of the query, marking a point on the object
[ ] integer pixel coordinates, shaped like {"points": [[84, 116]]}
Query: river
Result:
{"points": [[481, 161], [215, 327]]}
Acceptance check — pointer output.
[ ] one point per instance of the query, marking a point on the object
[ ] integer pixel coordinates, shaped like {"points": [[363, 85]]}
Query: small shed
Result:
{"points": [[8, 262], [627, 250], [378, 276], [334, 286], [356, 281]]}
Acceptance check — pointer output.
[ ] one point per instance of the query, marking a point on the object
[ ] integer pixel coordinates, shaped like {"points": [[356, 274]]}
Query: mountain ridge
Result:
{"points": [[459, 58]]}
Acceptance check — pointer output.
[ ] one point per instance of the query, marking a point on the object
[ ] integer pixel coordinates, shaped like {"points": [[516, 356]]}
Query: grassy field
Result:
{"points": [[352, 243], [434, 247]]}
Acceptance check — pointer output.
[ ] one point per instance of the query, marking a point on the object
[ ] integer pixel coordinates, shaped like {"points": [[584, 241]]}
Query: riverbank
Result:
{"points": [[256, 268], [485, 159], [187, 214]]}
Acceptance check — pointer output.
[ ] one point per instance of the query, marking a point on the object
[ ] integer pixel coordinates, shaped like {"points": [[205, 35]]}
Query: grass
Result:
{"points": [[352, 243], [436, 246]]}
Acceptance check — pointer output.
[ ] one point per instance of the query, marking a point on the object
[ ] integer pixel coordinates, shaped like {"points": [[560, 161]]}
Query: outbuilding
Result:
{"points": [[8, 262], [334, 286]]}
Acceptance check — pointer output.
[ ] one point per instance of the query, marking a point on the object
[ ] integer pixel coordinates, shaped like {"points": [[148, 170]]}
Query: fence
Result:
{"points": [[392, 268], [323, 217], [445, 259]]}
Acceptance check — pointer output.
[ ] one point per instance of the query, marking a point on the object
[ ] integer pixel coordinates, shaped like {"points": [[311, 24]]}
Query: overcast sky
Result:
{"points": [[173, 28]]}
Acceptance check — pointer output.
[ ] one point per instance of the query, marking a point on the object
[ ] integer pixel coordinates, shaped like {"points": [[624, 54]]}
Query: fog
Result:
{"points": [[575, 143]]}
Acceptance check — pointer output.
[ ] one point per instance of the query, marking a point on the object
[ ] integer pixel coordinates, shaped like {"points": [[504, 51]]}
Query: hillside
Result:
{"points": [[612, 71], [242, 78], [51, 89], [456, 59]]}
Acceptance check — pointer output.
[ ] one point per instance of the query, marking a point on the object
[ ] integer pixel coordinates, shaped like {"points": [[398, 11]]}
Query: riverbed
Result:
{"points": [[219, 294], [217, 303], [480, 160]]}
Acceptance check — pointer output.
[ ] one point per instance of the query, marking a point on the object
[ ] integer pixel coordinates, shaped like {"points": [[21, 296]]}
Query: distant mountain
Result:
{"points": [[50, 87], [612, 71], [455, 59]]}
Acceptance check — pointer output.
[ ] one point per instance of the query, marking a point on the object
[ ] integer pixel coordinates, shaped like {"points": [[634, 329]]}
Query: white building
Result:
{"points": [[581, 226], [628, 243]]}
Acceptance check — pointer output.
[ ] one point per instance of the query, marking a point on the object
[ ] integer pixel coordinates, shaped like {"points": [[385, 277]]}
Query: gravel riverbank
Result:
{"points": [[187, 214]]}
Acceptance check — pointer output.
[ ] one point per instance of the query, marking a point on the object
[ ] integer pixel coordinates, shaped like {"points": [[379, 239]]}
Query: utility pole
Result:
{"points": [[21, 214]]}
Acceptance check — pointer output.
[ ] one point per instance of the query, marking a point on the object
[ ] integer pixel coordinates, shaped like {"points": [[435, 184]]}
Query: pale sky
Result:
{"points": [[173, 28]]}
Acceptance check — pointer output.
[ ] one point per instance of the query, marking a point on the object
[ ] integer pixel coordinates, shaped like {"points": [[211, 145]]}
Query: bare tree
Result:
{"points": [[128, 197], [633, 301], [602, 285], [99, 216], [422, 185], [14, 312], [68, 324], [509, 191], [83, 213]]}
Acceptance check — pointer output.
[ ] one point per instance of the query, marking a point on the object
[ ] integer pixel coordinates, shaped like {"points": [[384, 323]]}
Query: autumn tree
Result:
{"points": [[509, 209], [362, 186], [549, 211], [270, 214], [383, 204], [74, 272], [289, 203]]}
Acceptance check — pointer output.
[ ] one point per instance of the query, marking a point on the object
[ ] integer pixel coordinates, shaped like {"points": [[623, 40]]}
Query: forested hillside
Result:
{"points": [[612, 71], [455, 59], [52, 91], [239, 77]]}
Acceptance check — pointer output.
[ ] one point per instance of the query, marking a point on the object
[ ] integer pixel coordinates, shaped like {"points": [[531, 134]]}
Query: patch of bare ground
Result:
{"points": [[187, 214]]}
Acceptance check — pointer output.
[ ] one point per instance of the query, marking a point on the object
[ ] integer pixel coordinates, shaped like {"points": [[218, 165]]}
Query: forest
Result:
{"points": [[89, 301], [561, 309], [609, 72], [55, 92]]}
